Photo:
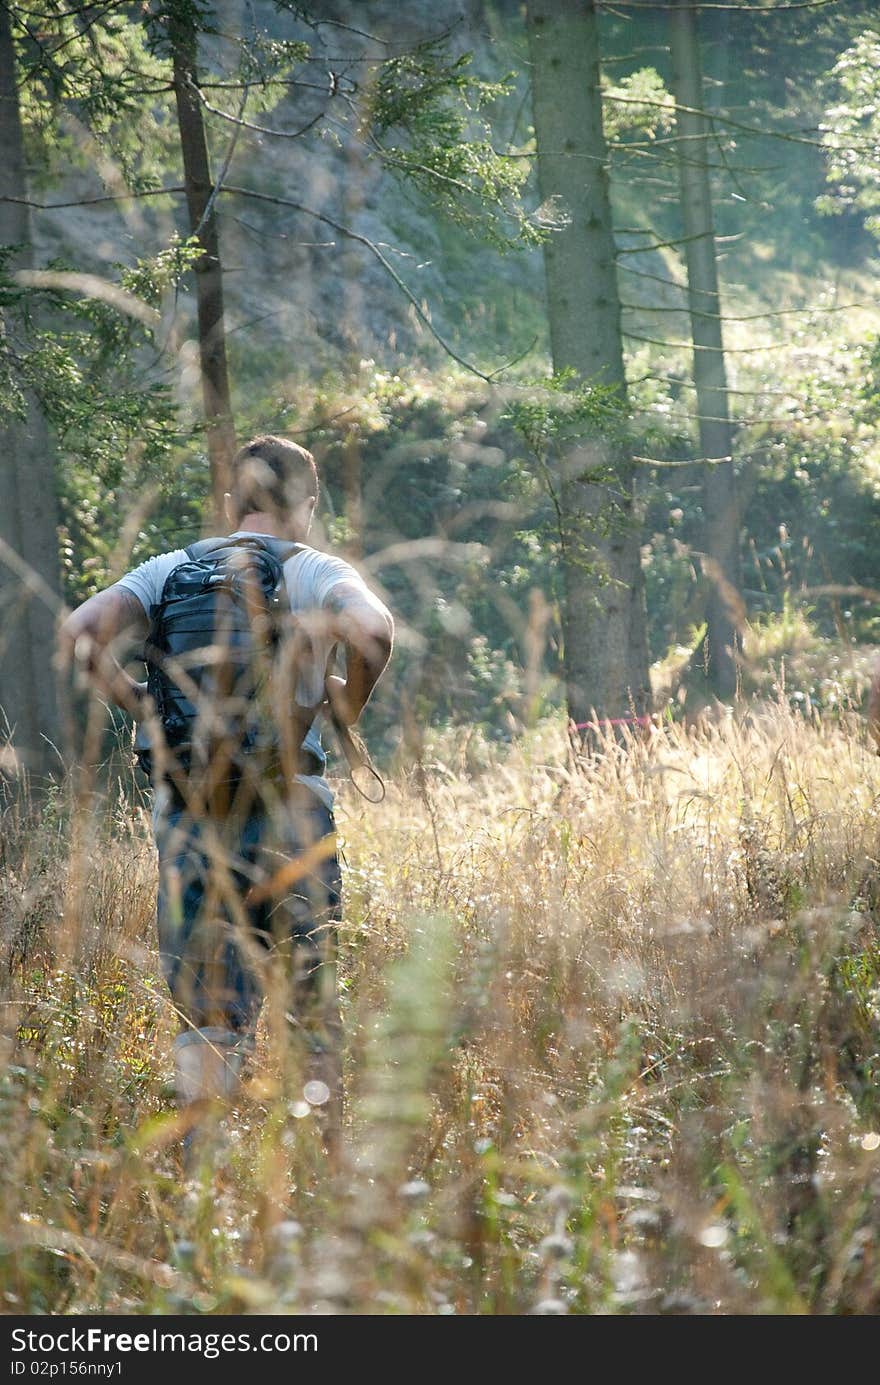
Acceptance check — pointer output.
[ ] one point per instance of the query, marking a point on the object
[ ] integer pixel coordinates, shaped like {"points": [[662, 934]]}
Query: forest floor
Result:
{"points": [[611, 1047]]}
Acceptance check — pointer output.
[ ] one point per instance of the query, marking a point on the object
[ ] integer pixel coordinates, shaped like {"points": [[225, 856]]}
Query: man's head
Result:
{"points": [[275, 478]]}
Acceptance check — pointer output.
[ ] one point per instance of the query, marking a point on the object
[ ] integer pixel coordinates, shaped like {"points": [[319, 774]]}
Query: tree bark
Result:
{"points": [[604, 627], [721, 541], [28, 505], [219, 424]]}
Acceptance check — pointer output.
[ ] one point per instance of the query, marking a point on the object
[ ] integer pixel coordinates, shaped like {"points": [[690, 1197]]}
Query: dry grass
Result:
{"points": [[611, 1047]]}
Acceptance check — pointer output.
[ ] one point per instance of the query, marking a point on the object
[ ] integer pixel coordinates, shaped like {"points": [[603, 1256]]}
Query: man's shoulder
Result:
{"points": [[312, 574], [148, 578], [308, 560], [171, 558]]}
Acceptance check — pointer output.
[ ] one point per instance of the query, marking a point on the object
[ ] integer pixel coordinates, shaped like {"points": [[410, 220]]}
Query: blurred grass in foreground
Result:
{"points": [[612, 1046]]}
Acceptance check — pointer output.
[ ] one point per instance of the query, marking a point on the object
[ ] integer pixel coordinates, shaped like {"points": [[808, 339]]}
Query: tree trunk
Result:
{"points": [[220, 428], [604, 628], [28, 506], [721, 541]]}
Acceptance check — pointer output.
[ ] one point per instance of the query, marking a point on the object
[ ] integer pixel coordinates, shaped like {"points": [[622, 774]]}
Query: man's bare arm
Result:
{"points": [[364, 626], [90, 635]]}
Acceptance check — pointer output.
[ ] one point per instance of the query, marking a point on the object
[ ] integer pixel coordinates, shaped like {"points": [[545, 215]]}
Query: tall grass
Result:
{"points": [[611, 1046]]}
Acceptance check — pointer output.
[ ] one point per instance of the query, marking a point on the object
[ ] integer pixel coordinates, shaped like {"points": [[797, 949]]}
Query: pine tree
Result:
{"points": [[721, 542], [28, 508], [606, 659], [183, 34]]}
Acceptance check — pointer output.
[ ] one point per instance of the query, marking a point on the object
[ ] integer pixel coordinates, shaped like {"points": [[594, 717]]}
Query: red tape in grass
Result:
{"points": [[613, 721]]}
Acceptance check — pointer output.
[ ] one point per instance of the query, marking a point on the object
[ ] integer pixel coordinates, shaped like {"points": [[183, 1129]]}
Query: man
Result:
{"points": [[249, 884]]}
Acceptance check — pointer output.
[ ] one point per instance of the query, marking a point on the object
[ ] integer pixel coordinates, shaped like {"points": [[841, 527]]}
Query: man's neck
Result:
{"points": [[260, 523]]}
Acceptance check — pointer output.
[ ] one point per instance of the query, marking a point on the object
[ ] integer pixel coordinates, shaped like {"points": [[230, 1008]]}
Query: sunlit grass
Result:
{"points": [[789, 631], [611, 1047]]}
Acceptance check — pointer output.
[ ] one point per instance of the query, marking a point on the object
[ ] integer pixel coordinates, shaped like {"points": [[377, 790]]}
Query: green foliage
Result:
{"points": [[96, 85], [638, 104], [561, 410], [80, 357], [97, 375], [556, 420], [851, 134], [91, 90], [815, 508], [262, 58], [430, 107]]}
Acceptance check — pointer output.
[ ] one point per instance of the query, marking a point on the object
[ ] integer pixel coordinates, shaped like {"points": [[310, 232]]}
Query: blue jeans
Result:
{"points": [[238, 896]]}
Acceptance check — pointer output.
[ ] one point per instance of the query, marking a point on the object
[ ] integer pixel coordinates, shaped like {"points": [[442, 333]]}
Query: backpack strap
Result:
{"points": [[201, 549], [281, 549]]}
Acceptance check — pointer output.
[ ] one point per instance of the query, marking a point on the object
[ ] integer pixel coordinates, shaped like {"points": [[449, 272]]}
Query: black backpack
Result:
{"points": [[213, 635]]}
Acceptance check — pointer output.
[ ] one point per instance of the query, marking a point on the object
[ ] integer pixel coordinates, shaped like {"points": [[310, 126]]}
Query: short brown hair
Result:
{"points": [[273, 475]]}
